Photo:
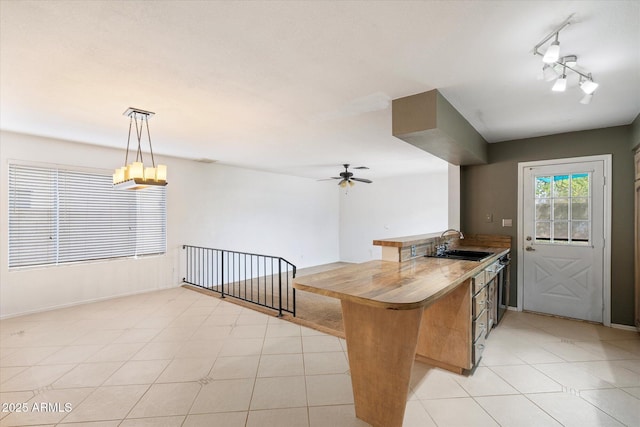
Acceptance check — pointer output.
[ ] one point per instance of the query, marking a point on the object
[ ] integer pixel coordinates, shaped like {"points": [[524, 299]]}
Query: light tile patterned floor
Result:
{"points": [[180, 358]]}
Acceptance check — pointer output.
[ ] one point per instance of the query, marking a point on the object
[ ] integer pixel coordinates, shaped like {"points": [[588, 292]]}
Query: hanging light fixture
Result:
{"points": [[561, 84], [552, 61], [134, 175], [553, 52]]}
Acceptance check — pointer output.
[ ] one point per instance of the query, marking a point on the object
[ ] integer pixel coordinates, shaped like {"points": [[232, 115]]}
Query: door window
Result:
{"points": [[563, 209]]}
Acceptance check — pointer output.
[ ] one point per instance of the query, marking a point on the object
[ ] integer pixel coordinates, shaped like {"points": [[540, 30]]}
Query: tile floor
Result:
{"points": [[180, 358]]}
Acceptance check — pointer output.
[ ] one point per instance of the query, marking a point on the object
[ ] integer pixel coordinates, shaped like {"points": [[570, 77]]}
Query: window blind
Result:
{"points": [[58, 216]]}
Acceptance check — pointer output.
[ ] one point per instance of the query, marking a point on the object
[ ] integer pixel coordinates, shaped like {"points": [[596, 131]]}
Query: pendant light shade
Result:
{"points": [[134, 175], [588, 86], [586, 99], [553, 52], [560, 85]]}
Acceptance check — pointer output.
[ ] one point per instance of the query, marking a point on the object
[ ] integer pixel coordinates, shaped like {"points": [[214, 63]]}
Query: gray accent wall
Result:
{"points": [[492, 189]]}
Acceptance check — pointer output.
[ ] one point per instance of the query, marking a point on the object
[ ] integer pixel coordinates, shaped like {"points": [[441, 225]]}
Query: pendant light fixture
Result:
{"points": [[552, 62], [134, 175]]}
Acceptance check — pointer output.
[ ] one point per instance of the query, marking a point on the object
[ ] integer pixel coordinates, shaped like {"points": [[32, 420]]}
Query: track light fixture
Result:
{"points": [[555, 66]]}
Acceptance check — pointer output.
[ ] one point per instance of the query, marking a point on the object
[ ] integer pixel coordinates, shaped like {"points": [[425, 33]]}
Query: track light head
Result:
{"points": [[586, 99], [588, 86], [553, 52], [549, 73]]}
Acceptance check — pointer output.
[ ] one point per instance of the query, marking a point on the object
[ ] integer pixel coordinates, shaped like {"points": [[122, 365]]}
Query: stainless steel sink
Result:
{"points": [[463, 255]]}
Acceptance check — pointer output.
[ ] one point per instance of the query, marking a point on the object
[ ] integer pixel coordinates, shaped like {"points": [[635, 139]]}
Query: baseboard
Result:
{"points": [[624, 327], [89, 301]]}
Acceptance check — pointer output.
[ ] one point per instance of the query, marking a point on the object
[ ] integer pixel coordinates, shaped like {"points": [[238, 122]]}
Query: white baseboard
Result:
{"points": [[89, 301]]}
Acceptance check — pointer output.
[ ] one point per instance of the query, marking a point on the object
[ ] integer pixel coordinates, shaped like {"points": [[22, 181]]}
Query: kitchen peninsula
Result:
{"points": [[415, 307]]}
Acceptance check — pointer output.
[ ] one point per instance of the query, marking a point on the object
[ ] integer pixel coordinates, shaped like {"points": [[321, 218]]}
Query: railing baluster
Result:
{"points": [[206, 268]]}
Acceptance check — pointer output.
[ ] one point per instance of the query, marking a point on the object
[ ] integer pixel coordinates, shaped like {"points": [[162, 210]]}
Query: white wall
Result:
{"points": [[207, 204], [391, 207]]}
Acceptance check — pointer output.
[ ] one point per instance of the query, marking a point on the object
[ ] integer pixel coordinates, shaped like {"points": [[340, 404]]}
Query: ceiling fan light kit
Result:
{"points": [[347, 177], [555, 66]]}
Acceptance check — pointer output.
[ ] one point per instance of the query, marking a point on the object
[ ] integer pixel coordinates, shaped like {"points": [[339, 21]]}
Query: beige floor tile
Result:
{"points": [[320, 344], [234, 367], [434, 383], [606, 351], [280, 365], [183, 370], [205, 349], [189, 320], [570, 352], [211, 332], [241, 347], [614, 372], [88, 375], [14, 401], [91, 424], [618, 404], [326, 363], [11, 371], [572, 411], [36, 377], [174, 335], [332, 389], [137, 372], [224, 396], [527, 379], [515, 411], [277, 393], [282, 345], [175, 421], [249, 331], [484, 382], [458, 412], [631, 345], [309, 332], [115, 353], [633, 391], [50, 406], [27, 356], [415, 415], [571, 376], [252, 318], [156, 322], [98, 336], [334, 416], [165, 400], [217, 319], [222, 419], [72, 354], [107, 403], [297, 417], [533, 355], [283, 329], [137, 335], [158, 351]]}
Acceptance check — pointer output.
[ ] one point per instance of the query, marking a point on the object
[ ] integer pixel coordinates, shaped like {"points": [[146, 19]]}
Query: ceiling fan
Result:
{"points": [[347, 177]]}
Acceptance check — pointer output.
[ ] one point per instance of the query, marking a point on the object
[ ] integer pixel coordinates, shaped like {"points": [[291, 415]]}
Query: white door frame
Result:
{"points": [[606, 267]]}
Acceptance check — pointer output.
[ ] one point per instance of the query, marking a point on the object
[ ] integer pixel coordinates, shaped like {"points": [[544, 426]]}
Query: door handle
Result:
{"points": [[529, 249]]}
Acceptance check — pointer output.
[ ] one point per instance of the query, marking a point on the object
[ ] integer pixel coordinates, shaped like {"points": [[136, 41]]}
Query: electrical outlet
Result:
{"points": [[488, 217]]}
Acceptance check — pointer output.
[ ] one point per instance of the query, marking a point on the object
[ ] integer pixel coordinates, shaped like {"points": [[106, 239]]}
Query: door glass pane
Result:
{"points": [[560, 230], [563, 208], [561, 186], [580, 231], [543, 209], [543, 186], [543, 230], [580, 208], [580, 185]]}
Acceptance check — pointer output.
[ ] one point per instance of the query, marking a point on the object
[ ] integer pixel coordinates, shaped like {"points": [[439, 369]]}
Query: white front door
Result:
{"points": [[562, 239]]}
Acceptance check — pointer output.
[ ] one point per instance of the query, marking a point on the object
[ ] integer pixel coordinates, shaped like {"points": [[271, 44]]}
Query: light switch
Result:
{"points": [[488, 217], [507, 223]]}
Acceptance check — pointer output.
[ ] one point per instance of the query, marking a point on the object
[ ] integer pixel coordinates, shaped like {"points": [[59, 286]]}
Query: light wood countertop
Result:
{"points": [[399, 242], [393, 285]]}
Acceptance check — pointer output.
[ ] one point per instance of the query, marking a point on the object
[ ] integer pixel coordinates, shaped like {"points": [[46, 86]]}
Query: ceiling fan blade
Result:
{"points": [[337, 177], [361, 167], [368, 181], [326, 179]]}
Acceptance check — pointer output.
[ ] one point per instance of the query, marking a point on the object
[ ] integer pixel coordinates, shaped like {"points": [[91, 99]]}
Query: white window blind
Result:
{"points": [[58, 216]]}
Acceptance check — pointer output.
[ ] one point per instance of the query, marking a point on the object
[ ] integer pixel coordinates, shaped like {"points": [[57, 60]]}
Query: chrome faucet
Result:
{"points": [[452, 229], [442, 247]]}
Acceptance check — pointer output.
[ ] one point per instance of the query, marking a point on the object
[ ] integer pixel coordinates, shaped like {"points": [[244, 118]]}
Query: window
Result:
{"points": [[58, 216], [563, 208]]}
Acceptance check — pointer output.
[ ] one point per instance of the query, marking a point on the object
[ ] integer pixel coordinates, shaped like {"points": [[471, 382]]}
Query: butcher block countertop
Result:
{"points": [[398, 286]]}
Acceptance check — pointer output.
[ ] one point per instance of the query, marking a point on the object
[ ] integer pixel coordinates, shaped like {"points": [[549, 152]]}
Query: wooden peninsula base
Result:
{"points": [[381, 347]]}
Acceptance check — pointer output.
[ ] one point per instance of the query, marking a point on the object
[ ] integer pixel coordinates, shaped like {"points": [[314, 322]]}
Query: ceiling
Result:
{"points": [[302, 87]]}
